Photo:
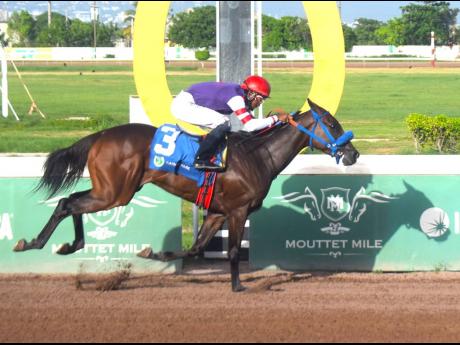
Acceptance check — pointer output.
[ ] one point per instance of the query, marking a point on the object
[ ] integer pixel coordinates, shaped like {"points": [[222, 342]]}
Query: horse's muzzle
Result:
{"points": [[350, 157]]}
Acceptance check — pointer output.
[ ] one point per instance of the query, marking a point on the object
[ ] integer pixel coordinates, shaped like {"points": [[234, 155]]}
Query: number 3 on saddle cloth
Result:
{"points": [[174, 150]]}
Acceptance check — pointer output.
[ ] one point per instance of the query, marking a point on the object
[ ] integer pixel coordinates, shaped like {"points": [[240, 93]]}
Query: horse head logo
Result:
{"points": [[311, 206], [361, 200], [335, 203], [117, 218]]}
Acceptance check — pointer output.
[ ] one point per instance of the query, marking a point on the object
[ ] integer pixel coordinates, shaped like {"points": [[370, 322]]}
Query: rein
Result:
{"points": [[333, 145]]}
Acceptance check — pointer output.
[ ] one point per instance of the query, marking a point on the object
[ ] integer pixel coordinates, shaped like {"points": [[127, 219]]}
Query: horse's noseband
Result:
{"points": [[334, 145]]}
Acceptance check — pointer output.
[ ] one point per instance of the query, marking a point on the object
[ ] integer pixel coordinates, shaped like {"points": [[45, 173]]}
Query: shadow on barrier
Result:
{"points": [[340, 223], [112, 237]]}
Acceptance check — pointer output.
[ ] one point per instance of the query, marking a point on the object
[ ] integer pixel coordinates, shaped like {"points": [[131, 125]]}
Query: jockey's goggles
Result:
{"points": [[252, 95]]}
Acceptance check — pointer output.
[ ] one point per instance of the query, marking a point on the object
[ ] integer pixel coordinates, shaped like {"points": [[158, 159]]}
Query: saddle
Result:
{"points": [[173, 150]]}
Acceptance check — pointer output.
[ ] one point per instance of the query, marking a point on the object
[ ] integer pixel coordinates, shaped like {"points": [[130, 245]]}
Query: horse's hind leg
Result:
{"points": [[62, 211], [87, 203], [79, 242], [211, 225], [59, 214]]}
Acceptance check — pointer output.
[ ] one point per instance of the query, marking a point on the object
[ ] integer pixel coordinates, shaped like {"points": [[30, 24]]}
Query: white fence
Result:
{"points": [[84, 54], [68, 54], [443, 53]]}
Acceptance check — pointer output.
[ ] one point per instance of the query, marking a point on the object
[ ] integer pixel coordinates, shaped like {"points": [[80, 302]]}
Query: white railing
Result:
{"points": [[182, 54]]}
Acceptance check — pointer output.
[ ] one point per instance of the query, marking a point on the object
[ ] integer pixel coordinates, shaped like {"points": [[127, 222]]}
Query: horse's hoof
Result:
{"points": [[64, 250], [239, 288], [167, 256], [20, 246], [147, 253], [158, 257]]}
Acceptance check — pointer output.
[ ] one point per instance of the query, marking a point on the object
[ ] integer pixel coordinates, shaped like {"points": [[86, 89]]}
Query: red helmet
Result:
{"points": [[257, 84]]}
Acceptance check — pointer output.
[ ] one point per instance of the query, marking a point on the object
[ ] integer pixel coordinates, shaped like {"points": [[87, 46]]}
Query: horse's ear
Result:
{"points": [[312, 104], [408, 187], [315, 106]]}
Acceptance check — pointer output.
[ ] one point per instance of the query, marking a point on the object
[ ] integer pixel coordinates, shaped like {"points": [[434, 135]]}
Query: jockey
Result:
{"points": [[210, 105]]}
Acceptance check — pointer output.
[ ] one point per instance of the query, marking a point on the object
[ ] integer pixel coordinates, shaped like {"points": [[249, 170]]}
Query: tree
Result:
{"points": [[418, 20], [272, 36], [63, 32], [202, 56], [194, 29], [55, 35], [365, 31], [21, 27], [286, 33], [392, 32], [107, 34], [416, 23], [81, 34], [349, 37], [3, 40], [130, 13], [126, 31], [296, 33]]}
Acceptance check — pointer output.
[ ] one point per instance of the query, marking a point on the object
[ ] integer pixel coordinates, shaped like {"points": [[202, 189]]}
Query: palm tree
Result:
{"points": [[3, 40], [128, 31]]}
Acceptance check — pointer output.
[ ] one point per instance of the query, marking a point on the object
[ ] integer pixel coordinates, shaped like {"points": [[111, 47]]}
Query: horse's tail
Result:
{"points": [[63, 168]]}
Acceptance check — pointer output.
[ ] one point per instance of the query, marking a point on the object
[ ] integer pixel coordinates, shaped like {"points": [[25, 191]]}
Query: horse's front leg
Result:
{"points": [[211, 225], [236, 222]]}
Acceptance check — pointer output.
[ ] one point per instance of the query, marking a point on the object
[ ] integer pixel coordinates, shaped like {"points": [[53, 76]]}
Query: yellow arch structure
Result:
{"points": [[150, 69], [329, 53], [149, 63]]}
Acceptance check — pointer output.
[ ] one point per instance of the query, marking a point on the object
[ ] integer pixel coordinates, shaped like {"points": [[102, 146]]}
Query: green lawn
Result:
{"points": [[374, 104]]}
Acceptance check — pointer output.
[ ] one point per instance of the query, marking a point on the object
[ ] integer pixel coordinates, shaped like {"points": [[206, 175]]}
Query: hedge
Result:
{"points": [[202, 55], [440, 132]]}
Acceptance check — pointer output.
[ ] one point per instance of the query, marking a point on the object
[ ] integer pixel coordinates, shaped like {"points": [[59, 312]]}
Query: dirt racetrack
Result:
{"points": [[197, 306]]}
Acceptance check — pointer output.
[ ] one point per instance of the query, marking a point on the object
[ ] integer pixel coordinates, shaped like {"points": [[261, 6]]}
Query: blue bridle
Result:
{"points": [[333, 145]]}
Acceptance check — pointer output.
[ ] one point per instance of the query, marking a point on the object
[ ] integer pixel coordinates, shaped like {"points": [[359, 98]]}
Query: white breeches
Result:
{"points": [[184, 108]]}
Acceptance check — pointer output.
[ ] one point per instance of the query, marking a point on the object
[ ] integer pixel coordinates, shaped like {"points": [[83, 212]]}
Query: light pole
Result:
{"points": [[49, 13], [452, 37], [94, 14], [339, 5], [132, 31]]}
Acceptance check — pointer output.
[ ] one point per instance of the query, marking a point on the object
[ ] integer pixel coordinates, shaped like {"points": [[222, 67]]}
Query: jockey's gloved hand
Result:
{"points": [[280, 113], [283, 117]]}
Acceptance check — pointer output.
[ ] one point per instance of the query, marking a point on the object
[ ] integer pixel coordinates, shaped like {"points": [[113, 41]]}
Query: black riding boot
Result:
{"points": [[208, 148]]}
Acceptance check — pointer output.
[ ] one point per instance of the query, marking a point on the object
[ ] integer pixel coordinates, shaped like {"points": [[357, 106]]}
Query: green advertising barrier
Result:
{"points": [[364, 222], [113, 238]]}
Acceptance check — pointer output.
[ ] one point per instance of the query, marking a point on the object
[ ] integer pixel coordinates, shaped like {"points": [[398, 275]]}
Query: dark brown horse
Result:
{"points": [[118, 164]]}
